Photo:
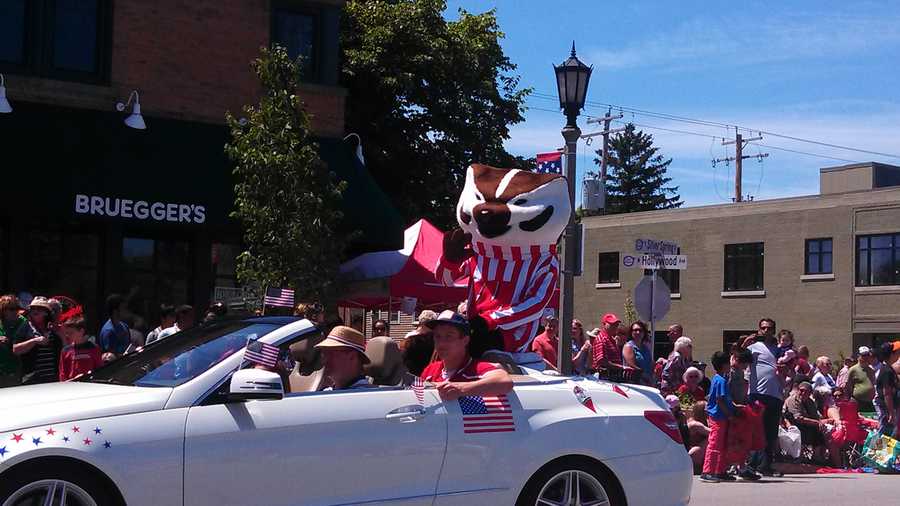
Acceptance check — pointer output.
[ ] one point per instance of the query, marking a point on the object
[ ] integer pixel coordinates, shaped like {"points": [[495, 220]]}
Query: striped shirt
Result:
{"points": [[509, 286]]}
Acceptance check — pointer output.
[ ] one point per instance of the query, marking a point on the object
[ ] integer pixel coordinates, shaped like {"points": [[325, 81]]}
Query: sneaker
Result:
{"points": [[709, 478], [726, 477], [748, 475], [771, 473]]}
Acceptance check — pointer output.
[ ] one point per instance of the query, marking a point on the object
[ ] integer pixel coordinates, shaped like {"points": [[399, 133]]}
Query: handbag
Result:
{"points": [[790, 442], [881, 451]]}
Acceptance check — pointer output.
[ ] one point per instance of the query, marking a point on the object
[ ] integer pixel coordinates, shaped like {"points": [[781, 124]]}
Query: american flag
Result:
{"points": [[418, 387], [261, 353], [549, 163], [279, 297], [490, 413]]}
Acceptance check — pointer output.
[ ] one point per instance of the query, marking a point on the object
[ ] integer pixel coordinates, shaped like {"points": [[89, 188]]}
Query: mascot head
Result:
{"points": [[512, 207]]}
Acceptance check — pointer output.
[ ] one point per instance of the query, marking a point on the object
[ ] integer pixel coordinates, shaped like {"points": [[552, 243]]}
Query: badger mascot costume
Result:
{"points": [[510, 221]]}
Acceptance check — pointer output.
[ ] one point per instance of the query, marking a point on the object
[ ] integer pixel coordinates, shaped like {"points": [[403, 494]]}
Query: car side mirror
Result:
{"points": [[248, 384]]}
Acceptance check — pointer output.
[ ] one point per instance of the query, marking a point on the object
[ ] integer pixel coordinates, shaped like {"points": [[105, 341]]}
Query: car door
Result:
{"points": [[318, 448]]}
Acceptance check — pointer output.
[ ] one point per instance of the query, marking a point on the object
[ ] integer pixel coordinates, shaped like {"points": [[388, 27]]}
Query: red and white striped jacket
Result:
{"points": [[509, 286]]}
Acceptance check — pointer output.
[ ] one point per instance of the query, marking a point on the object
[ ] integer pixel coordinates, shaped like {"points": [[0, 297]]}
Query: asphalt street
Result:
{"points": [[855, 489]]}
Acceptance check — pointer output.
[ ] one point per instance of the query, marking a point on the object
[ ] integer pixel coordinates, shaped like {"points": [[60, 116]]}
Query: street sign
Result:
{"points": [[654, 246], [678, 262], [652, 298]]}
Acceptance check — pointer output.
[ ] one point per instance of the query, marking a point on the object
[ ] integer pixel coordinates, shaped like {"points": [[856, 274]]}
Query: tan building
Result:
{"points": [[825, 266]]}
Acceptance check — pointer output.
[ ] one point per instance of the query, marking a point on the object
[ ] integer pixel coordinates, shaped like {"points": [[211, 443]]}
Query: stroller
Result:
{"points": [[855, 431]]}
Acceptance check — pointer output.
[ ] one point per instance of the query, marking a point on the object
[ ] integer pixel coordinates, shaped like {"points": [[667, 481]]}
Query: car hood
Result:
{"points": [[51, 403]]}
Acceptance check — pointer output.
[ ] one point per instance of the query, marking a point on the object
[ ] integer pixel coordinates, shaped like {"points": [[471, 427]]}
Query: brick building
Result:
{"points": [[92, 206], [825, 266]]}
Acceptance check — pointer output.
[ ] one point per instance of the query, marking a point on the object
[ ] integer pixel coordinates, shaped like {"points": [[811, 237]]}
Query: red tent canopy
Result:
{"points": [[376, 278]]}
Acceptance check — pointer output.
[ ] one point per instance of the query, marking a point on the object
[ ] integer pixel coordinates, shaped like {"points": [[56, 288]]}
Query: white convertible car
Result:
{"points": [[188, 421]]}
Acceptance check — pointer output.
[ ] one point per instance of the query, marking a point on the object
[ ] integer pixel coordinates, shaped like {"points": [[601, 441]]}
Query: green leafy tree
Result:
{"points": [[637, 180], [286, 199], [428, 97], [630, 311]]}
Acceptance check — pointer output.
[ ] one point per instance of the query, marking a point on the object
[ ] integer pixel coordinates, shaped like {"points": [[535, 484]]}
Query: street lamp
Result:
{"points": [[571, 82]]}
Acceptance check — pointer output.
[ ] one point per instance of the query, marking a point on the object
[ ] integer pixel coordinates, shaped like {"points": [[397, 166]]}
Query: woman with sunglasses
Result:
{"points": [[581, 349], [637, 353]]}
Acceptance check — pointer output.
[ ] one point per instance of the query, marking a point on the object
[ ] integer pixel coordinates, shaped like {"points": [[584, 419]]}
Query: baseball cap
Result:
{"points": [[864, 350], [611, 318], [548, 314], [451, 317]]}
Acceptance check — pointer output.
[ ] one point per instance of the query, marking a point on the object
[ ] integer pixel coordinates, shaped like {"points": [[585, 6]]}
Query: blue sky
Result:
{"points": [[820, 70]]}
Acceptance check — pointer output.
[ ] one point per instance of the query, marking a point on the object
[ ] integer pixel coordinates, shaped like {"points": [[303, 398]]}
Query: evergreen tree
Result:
{"points": [[286, 199], [636, 179]]}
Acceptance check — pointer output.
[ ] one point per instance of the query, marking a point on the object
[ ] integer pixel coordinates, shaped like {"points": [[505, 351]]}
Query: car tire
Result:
{"points": [[597, 485], [29, 481]]}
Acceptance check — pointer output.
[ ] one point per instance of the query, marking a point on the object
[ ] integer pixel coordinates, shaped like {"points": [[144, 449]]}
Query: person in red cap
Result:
{"points": [[607, 355]]}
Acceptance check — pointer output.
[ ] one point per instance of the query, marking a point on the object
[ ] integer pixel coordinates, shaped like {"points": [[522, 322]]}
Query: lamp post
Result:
{"points": [[571, 82]]}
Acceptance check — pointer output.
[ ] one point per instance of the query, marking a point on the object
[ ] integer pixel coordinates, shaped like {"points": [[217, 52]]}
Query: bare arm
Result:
{"points": [[628, 357], [497, 382], [26, 346]]}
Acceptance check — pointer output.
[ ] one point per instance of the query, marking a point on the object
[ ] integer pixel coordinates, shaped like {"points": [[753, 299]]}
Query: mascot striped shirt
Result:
{"points": [[509, 286]]}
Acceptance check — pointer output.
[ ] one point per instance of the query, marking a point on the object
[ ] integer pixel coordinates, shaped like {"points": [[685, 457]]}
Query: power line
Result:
{"points": [[807, 154], [685, 119]]}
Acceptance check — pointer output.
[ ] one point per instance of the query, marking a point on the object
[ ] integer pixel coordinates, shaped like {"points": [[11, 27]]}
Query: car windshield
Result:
{"points": [[180, 357]]}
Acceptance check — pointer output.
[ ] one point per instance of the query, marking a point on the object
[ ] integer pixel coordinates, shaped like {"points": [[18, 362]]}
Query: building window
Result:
{"points": [[60, 39], [744, 267], [672, 277], [878, 260], [818, 256], [155, 272], [297, 30], [663, 346], [608, 270], [63, 262], [733, 337]]}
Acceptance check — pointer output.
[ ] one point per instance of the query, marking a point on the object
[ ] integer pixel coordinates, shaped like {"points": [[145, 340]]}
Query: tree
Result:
{"points": [[428, 97], [637, 175], [286, 199]]}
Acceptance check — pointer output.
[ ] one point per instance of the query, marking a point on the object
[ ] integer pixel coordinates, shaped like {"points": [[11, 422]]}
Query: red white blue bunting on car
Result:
{"points": [[71, 436]]}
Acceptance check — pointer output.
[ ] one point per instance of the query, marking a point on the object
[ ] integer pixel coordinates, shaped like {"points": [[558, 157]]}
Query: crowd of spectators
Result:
{"points": [[47, 339], [757, 394]]}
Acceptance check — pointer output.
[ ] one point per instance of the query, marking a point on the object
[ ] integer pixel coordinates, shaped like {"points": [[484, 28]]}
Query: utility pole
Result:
{"points": [[604, 160], [738, 159]]}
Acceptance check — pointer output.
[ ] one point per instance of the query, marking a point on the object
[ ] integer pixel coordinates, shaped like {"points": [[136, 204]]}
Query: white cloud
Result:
{"points": [[748, 40]]}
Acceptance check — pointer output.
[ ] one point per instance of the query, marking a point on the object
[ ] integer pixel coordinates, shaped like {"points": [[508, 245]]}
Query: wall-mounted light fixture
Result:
{"points": [[134, 120], [359, 153], [5, 108]]}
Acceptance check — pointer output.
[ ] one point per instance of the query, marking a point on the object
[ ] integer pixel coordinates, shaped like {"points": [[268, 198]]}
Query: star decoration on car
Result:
{"points": [[17, 438], [50, 431], [97, 430], [3, 451], [36, 441], [65, 439], [76, 429], [107, 444], [87, 441]]}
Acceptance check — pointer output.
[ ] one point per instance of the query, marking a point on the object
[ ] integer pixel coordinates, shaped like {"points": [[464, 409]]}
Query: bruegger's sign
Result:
{"points": [[139, 209]]}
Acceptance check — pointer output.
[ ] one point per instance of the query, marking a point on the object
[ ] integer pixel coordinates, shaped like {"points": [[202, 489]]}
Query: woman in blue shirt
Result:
{"points": [[637, 353]]}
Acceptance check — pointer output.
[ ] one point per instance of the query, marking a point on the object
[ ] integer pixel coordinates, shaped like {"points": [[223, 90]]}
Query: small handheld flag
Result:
{"points": [[279, 297], [261, 353]]}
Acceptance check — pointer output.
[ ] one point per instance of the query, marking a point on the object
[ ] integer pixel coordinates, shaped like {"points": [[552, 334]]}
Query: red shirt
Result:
{"points": [[605, 347], [78, 359], [546, 347], [473, 370]]}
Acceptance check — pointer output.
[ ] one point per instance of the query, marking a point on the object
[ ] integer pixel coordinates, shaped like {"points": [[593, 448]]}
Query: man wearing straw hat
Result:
{"points": [[343, 356]]}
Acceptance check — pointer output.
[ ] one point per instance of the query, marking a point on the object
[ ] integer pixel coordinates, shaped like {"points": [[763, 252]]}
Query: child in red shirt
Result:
{"points": [[80, 355]]}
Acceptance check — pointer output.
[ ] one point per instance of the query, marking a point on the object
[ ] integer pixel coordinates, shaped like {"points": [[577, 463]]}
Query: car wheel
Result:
{"points": [[572, 482], [52, 485]]}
